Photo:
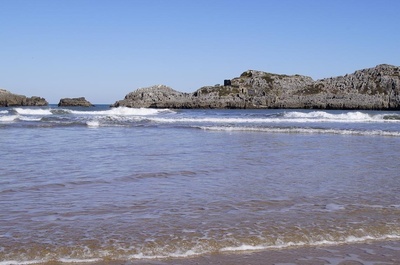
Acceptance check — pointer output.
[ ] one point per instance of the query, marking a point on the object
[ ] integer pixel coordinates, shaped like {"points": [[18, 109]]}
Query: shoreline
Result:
{"points": [[366, 253]]}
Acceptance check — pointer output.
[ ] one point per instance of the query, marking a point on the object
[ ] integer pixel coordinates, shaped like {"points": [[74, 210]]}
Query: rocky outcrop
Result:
{"points": [[74, 102], [373, 88], [159, 96], [8, 99]]}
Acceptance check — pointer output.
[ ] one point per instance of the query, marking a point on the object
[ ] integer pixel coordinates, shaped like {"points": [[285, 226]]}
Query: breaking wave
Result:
{"points": [[93, 124], [122, 111], [9, 118], [282, 245], [292, 117], [23, 111], [302, 130], [269, 121], [322, 116]]}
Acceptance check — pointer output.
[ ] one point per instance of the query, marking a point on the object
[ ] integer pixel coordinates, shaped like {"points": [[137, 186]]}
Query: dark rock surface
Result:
{"points": [[8, 99], [74, 102], [373, 88]]}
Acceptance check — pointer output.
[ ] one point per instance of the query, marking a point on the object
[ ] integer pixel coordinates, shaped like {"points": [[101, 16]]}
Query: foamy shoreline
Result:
{"points": [[377, 252]]}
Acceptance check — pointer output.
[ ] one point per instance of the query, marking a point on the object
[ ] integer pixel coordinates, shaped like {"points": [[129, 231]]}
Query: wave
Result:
{"points": [[209, 120], [318, 243], [19, 262], [321, 116], [23, 111], [24, 118], [301, 130], [122, 111], [54, 117], [288, 117], [9, 118], [93, 124], [212, 120], [41, 261], [282, 117], [92, 254]]}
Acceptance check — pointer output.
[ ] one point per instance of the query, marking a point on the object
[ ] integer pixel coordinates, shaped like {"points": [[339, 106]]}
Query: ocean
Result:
{"points": [[92, 185]]}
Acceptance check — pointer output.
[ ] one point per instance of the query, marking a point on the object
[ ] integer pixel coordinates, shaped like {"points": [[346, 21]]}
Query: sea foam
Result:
{"points": [[322, 116], [33, 111], [317, 243], [122, 111], [93, 124], [301, 130], [291, 117], [8, 118]]}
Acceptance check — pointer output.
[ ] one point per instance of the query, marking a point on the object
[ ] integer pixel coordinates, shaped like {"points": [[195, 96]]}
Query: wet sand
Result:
{"points": [[374, 253]]}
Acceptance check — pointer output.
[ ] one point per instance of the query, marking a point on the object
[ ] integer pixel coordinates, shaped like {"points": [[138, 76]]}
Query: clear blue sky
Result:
{"points": [[103, 50]]}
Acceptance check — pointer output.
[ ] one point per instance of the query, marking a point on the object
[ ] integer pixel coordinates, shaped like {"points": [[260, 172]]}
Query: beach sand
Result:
{"points": [[373, 253]]}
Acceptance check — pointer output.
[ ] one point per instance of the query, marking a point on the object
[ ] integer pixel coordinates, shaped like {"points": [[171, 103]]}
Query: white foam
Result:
{"points": [[8, 118], [93, 124], [25, 118], [334, 207], [15, 262], [291, 117], [244, 247], [33, 111], [3, 111], [122, 111], [281, 245], [302, 130], [199, 250], [66, 260], [322, 116], [62, 260], [177, 254], [215, 120], [329, 116]]}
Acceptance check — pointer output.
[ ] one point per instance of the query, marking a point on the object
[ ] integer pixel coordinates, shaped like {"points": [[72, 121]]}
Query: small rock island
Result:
{"points": [[74, 102], [8, 99], [376, 88]]}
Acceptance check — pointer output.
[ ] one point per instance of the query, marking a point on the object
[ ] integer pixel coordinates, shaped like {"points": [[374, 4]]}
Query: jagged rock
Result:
{"points": [[74, 102], [158, 96], [8, 99], [372, 88]]}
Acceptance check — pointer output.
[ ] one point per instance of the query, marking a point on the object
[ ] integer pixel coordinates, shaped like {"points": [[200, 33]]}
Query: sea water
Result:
{"points": [[93, 184]]}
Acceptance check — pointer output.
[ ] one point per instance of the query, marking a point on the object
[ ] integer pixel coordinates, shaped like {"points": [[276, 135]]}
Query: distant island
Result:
{"points": [[376, 88], [75, 102]]}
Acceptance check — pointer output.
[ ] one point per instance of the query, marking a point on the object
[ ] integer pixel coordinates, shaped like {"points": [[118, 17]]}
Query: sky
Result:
{"points": [[104, 49]]}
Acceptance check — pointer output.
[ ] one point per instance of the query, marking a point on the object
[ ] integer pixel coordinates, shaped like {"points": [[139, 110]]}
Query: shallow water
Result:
{"points": [[130, 184]]}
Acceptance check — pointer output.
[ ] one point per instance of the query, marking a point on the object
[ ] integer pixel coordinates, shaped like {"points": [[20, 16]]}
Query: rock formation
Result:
{"points": [[374, 88], [8, 99], [158, 96], [74, 102]]}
